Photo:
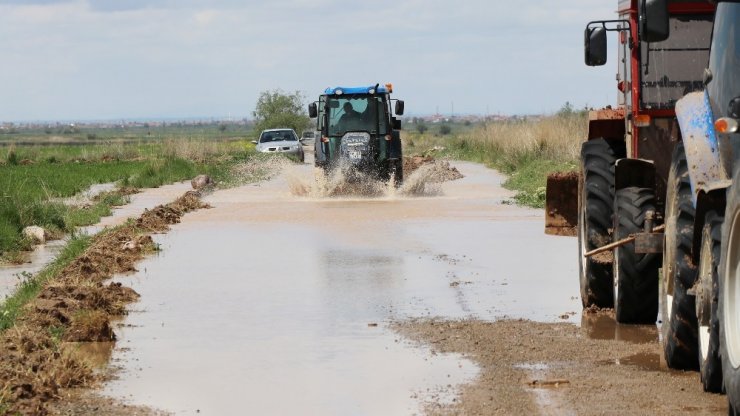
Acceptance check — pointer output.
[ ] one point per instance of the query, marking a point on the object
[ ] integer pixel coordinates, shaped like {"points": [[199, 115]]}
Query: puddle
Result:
{"points": [[146, 199], [532, 366], [643, 361], [95, 354], [603, 326], [271, 295], [12, 274], [89, 194]]}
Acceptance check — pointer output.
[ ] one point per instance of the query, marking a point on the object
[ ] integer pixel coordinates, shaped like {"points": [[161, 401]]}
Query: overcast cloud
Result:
{"points": [[106, 59]]}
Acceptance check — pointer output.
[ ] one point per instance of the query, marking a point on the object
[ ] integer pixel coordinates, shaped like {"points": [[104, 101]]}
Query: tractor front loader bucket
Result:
{"points": [[561, 203]]}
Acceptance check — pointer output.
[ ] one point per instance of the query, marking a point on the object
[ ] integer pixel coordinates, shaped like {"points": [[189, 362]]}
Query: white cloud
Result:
{"points": [[94, 58]]}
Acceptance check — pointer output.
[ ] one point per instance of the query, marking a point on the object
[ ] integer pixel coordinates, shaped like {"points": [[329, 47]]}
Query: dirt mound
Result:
{"points": [[442, 171], [159, 219], [76, 306], [561, 203]]}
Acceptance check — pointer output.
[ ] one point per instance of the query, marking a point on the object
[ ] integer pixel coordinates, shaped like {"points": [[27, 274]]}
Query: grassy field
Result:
{"points": [[526, 150], [35, 179], [92, 134]]}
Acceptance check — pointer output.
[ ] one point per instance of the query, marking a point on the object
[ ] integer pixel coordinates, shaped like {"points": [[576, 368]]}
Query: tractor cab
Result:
{"points": [[358, 131]]}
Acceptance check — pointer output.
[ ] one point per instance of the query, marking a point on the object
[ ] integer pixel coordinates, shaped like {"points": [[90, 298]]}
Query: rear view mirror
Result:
{"points": [[254, 141], [595, 46], [399, 108], [654, 25], [333, 104], [312, 111]]}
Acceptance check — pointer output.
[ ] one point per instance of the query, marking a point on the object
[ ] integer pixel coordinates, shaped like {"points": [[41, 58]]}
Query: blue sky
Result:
{"points": [[111, 59]]}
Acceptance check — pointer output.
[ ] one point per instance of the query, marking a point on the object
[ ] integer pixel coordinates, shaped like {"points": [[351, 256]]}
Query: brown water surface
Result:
{"points": [[275, 301]]}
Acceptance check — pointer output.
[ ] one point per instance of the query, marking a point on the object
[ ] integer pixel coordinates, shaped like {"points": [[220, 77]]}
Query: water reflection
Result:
{"points": [[601, 325]]}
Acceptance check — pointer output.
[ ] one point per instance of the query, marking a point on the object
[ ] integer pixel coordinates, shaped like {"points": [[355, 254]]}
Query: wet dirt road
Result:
{"points": [[277, 302]]}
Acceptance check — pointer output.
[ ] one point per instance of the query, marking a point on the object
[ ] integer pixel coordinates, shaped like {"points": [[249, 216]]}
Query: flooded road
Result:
{"points": [[277, 303]]}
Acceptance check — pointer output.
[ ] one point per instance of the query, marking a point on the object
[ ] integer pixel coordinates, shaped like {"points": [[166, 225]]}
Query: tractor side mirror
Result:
{"points": [[396, 121], [399, 108], [654, 25], [312, 111], [595, 46]]}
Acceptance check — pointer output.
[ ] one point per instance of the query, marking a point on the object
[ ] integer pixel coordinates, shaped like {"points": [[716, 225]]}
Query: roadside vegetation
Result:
{"points": [[525, 149], [36, 181], [277, 109], [70, 300]]}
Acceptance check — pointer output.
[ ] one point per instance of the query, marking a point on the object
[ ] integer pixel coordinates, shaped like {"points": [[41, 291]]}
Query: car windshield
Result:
{"points": [[278, 136], [357, 113]]}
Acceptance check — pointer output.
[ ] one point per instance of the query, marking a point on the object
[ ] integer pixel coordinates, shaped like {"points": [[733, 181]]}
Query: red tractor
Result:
{"points": [[655, 189]]}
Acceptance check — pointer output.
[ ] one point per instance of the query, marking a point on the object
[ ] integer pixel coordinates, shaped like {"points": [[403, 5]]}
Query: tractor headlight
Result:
{"points": [[338, 91]]}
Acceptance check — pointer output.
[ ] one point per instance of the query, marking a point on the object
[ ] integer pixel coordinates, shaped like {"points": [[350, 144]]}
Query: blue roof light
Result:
{"points": [[356, 90]]}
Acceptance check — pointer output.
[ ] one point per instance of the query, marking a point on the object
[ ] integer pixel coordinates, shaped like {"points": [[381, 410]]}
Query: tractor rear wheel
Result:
{"points": [[635, 275], [595, 206], [677, 308], [707, 292], [729, 295]]}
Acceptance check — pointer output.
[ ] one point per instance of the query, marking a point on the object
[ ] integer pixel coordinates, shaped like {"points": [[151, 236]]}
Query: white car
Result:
{"points": [[283, 141]]}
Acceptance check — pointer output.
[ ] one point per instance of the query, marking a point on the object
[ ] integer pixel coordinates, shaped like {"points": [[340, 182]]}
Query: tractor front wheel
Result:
{"points": [[595, 206], [635, 275]]}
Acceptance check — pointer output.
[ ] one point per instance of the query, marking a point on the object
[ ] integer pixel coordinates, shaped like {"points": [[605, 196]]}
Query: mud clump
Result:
{"points": [[442, 171], [77, 305], [161, 217], [561, 203]]}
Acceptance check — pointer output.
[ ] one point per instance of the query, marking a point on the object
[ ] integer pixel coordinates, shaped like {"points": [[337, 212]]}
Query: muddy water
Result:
{"points": [[277, 302], [43, 254], [146, 199]]}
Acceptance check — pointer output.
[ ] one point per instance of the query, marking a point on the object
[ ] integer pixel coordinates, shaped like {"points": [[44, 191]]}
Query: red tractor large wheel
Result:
{"points": [[635, 274], [595, 208]]}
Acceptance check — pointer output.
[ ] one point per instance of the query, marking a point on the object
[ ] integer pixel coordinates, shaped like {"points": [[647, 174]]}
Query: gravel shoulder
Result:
{"points": [[538, 368]]}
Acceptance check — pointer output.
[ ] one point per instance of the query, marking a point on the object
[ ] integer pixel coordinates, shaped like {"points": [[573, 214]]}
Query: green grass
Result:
{"points": [[140, 132], [80, 216], [30, 287], [34, 179], [29, 191], [526, 151]]}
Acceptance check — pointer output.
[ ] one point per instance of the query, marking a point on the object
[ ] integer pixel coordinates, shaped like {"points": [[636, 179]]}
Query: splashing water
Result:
{"points": [[424, 181]]}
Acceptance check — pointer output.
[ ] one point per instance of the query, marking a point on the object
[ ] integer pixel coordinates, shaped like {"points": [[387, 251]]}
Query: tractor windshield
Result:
{"points": [[674, 67], [357, 112]]}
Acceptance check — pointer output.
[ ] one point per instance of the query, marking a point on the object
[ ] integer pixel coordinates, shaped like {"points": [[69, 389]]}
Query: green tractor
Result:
{"points": [[358, 133]]}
